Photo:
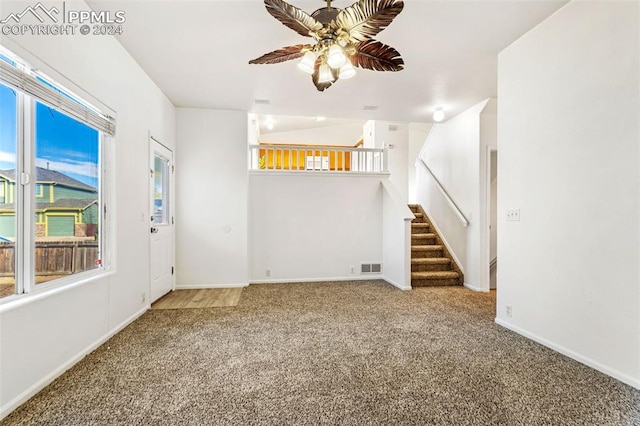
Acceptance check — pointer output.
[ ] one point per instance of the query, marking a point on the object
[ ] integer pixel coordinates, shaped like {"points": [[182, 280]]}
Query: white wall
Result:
{"points": [[308, 227], [211, 196], [396, 237], [417, 136], [454, 150], [368, 134], [43, 335], [488, 141], [569, 160], [493, 207], [343, 134], [395, 137]]}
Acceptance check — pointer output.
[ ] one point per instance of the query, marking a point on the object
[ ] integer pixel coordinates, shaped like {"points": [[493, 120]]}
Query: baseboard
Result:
{"points": [[200, 286], [314, 280], [474, 288], [45, 381], [395, 284], [571, 354]]}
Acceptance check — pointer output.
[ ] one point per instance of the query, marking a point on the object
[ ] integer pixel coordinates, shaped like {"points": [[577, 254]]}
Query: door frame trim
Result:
{"points": [[151, 140]]}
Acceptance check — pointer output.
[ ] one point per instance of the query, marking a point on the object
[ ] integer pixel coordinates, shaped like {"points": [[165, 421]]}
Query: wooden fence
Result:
{"points": [[53, 258]]}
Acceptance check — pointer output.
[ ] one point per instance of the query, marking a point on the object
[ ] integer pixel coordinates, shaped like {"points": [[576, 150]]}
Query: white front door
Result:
{"points": [[161, 215]]}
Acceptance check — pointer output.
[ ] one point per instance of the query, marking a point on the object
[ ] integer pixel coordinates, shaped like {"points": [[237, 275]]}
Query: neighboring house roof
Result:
{"points": [[63, 203], [68, 203], [47, 175]]}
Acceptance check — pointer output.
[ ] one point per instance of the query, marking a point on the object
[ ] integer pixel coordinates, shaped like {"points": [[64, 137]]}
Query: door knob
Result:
{"points": [[154, 230]]}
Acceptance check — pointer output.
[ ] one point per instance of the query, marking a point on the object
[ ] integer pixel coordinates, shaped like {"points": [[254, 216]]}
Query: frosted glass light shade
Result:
{"points": [[307, 63], [347, 71], [325, 75], [336, 57], [438, 115]]}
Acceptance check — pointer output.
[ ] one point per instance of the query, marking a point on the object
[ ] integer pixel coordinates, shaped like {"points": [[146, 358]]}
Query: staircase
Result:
{"points": [[431, 262]]}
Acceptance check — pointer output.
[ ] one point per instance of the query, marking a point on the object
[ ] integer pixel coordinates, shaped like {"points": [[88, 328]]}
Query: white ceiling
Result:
{"points": [[197, 52]]}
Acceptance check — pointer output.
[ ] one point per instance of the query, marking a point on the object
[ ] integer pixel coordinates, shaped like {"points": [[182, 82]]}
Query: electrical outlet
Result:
{"points": [[267, 273], [143, 297], [353, 269], [508, 310], [513, 215]]}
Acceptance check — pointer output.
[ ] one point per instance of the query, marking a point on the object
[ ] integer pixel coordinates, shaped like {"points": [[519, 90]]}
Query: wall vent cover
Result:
{"points": [[370, 268]]}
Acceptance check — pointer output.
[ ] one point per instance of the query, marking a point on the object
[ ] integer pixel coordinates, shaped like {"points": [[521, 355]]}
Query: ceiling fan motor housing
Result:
{"points": [[326, 14]]}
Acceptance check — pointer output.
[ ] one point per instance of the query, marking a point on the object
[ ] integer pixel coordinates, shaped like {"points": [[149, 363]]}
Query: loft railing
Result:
{"points": [[317, 159], [456, 210]]}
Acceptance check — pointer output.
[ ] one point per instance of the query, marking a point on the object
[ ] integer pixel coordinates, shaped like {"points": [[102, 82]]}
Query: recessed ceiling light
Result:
{"points": [[270, 123], [261, 101], [438, 114], [370, 107], [320, 118]]}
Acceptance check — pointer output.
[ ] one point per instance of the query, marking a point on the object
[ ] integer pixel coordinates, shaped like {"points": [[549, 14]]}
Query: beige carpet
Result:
{"points": [[357, 353]]}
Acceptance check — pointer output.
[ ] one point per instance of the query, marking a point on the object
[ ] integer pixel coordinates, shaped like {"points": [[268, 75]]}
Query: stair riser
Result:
{"points": [[430, 267], [426, 254], [420, 229], [435, 283], [418, 220], [416, 241]]}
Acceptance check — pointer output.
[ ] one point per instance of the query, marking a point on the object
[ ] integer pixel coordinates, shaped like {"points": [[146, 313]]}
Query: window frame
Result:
{"points": [[25, 196]]}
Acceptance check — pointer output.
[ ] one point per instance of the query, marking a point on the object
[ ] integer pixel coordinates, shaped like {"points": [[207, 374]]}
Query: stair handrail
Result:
{"points": [[463, 220]]}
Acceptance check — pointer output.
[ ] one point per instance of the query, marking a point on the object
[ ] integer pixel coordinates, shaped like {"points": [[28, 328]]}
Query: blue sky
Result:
{"points": [[69, 146]]}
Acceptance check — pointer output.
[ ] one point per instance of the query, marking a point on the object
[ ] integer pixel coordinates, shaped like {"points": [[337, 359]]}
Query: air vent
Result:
{"points": [[370, 268], [261, 102], [393, 127], [370, 107]]}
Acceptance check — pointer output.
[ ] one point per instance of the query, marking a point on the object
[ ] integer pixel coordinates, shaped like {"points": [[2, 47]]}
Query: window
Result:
{"points": [[8, 146], [52, 202]]}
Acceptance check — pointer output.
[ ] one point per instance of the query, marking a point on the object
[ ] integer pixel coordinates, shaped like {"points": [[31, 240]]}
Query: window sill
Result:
{"points": [[16, 301]]}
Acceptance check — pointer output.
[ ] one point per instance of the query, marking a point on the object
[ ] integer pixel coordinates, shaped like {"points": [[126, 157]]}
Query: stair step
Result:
{"points": [[436, 283], [417, 239], [427, 235], [426, 250], [414, 207], [426, 247], [419, 228], [435, 275], [435, 278], [432, 261], [425, 264]]}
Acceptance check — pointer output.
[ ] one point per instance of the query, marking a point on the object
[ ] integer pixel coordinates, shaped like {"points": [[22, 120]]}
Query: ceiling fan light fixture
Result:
{"points": [[307, 62], [347, 71], [336, 57], [340, 36], [325, 75]]}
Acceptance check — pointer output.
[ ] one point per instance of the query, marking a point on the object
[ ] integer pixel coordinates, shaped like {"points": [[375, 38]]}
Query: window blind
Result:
{"points": [[29, 83]]}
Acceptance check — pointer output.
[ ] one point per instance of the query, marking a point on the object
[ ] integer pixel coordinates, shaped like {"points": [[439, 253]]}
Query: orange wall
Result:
{"points": [[281, 158]]}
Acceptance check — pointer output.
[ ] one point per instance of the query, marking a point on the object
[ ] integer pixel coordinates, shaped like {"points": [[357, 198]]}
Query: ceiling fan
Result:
{"points": [[343, 39]]}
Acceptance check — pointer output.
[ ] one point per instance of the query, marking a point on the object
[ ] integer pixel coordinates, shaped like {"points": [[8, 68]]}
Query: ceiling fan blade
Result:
{"points": [[366, 18], [294, 18], [316, 76], [373, 55], [281, 55]]}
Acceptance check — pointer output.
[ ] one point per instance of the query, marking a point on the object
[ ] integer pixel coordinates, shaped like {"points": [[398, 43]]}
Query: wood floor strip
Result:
{"points": [[200, 298]]}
